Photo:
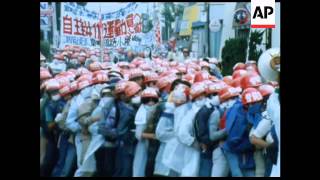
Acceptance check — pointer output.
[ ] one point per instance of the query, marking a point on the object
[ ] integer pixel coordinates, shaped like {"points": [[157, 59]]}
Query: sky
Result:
{"points": [[106, 7]]}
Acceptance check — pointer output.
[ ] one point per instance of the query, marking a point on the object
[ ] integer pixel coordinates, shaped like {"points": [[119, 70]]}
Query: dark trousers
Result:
{"points": [[67, 158], [50, 158], [105, 158], [123, 163], [205, 164]]}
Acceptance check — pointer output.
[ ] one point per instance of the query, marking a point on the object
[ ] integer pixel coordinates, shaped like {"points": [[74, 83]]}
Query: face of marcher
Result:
{"points": [[185, 54], [55, 96], [205, 69]]}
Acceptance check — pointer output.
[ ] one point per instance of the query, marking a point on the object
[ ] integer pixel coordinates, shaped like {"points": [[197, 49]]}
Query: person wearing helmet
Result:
{"points": [[147, 54], [165, 127], [262, 137], [125, 129], [86, 141], [67, 153], [269, 68], [186, 133], [136, 75], [174, 151], [108, 115], [146, 121], [209, 137], [239, 120], [54, 106]]}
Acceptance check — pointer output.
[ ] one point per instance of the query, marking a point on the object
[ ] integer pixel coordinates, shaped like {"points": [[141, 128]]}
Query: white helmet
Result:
{"points": [[264, 64]]}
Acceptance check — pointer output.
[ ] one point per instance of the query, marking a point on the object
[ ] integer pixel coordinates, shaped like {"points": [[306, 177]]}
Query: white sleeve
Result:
{"points": [[263, 127]]}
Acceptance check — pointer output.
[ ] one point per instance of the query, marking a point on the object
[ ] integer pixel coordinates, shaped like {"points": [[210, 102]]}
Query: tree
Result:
{"points": [[255, 39], [233, 52]]}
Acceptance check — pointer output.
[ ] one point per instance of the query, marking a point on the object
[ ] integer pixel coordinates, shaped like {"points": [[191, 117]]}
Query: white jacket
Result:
{"points": [[89, 162], [173, 154], [186, 136], [273, 108]]}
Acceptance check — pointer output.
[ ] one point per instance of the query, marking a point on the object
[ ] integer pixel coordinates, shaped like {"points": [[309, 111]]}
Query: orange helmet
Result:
{"points": [[100, 78], [239, 73], [120, 87], [145, 67], [84, 83], [45, 74], [188, 77], [135, 73], [197, 89], [236, 82], [149, 93], [227, 79], [82, 70], [123, 64], [201, 76], [151, 76], [250, 95], [85, 77], [227, 93], [266, 89], [95, 66], [182, 69], [70, 88], [215, 87], [52, 84], [250, 80], [131, 88], [238, 66]]}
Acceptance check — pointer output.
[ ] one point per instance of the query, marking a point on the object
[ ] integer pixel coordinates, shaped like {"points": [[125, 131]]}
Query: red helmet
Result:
{"points": [[238, 66], [84, 83], [227, 79], [70, 88], [145, 67], [188, 77], [149, 93], [201, 76], [85, 77], [131, 88], [266, 89], [95, 66], [215, 87], [45, 74], [151, 76], [239, 73], [197, 89], [250, 95], [250, 80], [236, 82], [120, 87], [227, 93], [182, 69], [123, 64], [100, 78], [135, 73], [58, 56], [52, 84], [82, 70]]}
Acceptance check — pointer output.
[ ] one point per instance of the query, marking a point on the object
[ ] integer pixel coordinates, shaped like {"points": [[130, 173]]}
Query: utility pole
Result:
{"points": [[54, 25]]}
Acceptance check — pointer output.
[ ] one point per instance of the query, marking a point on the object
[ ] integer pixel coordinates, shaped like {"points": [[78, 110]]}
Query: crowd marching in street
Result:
{"points": [[153, 114]]}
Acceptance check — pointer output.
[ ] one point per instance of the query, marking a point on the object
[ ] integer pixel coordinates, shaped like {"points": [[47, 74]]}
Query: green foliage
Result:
{"points": [[255, 39], [233, 52], [45, 49]]}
